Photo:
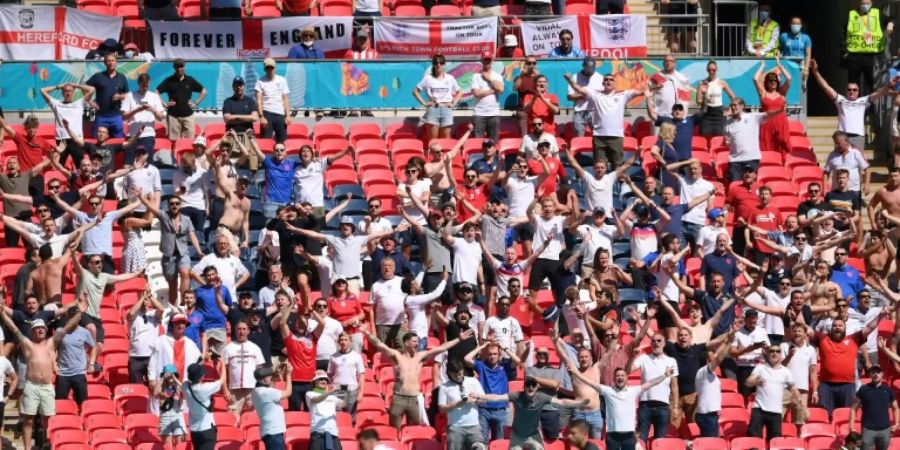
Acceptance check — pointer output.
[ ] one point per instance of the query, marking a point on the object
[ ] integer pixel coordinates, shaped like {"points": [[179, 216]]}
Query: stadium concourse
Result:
{"points": [[625, 260]]}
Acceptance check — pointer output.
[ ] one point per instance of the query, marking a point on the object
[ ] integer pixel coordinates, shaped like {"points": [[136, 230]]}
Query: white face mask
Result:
{"points": [[308, 42], [129, 54]]}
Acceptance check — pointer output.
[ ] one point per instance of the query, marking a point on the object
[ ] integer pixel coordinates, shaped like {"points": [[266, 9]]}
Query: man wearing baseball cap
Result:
{"points": [[174, 348], [239, 111], [272, 104], [267, 402], [141, 109], [323, 404], [179, 89], [487, 87], [551, 381], [706, 242], [39, 352]]}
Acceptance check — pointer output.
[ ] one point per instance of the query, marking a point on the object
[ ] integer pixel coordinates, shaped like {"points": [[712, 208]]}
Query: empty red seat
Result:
{"points": [[747, 443], [668, 444], [706, 443], [786, 443], [445, 11], [410, 10], [108, 436], [414, 432], [364, 130], [68, 437], [825, 443], [57, 423], [328, 131]]}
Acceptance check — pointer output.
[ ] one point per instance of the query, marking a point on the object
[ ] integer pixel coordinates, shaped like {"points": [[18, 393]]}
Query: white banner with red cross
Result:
{"points": [[241, 39], [450, 37], [606, 36], [52, 32]]}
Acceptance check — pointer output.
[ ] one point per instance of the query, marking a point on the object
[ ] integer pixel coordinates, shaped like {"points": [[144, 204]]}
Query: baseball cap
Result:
{"points": [[588, 62], [243, 180], [237, 80], [308, 31], [510, 40], [263, 371], [170, 368], [678, 106], [487, 143], [269, 62], [141, 149], [462, 311], [37, 323], [543, 141], [347, 220], [464, 285], [599, 211], [179, 318], [178, 62], [715, 213], [874, 369], [543, 350], [320, 375], [642, 210], [751, 313], [435, 213], [200, 140], [487, 55], [131, 46], [550, 314]]}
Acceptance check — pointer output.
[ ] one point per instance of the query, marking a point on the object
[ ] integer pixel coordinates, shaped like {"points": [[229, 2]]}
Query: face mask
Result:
{"points": [[129, 54], [865, 8], [763, 16], [308, 42], [795, 29]]}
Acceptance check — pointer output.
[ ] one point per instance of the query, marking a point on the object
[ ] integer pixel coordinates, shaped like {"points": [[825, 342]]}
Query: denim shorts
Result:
{"points": [[440, 115]]}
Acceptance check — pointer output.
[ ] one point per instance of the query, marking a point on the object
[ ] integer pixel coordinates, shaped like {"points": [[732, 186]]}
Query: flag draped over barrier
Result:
{"points": [[606, 36], [52, 32], [450, 37]]}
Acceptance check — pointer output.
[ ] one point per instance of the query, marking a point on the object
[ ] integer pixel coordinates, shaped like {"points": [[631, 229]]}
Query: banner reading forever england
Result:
{"points": [[248, 38], [52, 32], [412, 37]]}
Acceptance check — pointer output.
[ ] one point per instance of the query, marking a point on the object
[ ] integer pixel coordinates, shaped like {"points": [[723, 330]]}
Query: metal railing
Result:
{"points": [[731, 19]]}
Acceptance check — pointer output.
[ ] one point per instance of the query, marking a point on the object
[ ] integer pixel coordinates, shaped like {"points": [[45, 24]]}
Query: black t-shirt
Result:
{"points": [[178, 90], [107, 153], [463, 348], [689, 361], [808, 205], [843, 201], [876, 403], [771, 280], [313, 223], [239, 106], [286, 240]]}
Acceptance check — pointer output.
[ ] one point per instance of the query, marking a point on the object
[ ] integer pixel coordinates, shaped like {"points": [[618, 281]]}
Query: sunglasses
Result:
{"points": [[174, 203], [841, 305], [412, 170], [471, 177], [321, 306], [801, 238], [785, 284], [530, 63], [840, 254], [40, 210], [505, 305], [609, 79], [54, 187], [466, 290], [852, 90], [96, 261], [440, 63], [374, 206]]}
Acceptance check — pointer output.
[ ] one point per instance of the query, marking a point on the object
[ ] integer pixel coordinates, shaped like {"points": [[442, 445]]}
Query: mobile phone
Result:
{"points": [[344, 387]]}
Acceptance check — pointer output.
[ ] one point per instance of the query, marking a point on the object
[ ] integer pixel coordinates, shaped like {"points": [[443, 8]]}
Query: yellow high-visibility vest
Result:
{"points": [[864, 34], [763, 35]]}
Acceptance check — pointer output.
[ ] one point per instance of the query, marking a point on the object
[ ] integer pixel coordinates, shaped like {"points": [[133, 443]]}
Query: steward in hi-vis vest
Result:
{"points": [[762, 36], [862, 41]]}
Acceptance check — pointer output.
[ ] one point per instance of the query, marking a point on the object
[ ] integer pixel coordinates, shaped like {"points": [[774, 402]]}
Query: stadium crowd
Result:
{"points": [[694, 277]]}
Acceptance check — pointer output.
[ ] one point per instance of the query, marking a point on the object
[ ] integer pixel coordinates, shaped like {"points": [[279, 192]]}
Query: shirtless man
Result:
{"points": [[878, 254], [437, 171], [40, 358], [46, 278], [224, 173], [889, 199], [407, 366], [235, 220], [589, 370], [821, 290], [700, 330]]}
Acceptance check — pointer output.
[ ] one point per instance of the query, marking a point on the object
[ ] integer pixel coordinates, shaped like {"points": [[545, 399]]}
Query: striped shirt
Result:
{"points": [[368, 53], [493, 231], [505, 272]]}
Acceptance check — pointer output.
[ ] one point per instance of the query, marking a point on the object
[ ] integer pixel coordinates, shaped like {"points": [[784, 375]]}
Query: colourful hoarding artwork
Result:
{"points": [[367, 84]]}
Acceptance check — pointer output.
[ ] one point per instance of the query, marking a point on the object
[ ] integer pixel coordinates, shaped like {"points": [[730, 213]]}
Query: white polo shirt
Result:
{"points": [[800, 363], [309, 182], [608, 112], [691, 190], [744, 339], [506, 331], [467, 414], [652, 366], [709, 391], [598, 192], [770, 395], [389, 301], [743, 137], [854, 161], [549, 227], [621, 408], [344, 369], [521, 193]]}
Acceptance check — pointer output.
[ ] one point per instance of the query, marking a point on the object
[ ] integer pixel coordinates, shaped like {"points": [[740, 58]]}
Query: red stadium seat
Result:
{"points": [[409, 11], [328, 131], [57, 423], [786, 443], [98, 406], [796, 128], [103, 10], [747, 443], [820, 415], [445, 11], [66, 407], [579, 9], [337, 11], [68, 437], [816, 429], [824, 443], [108, 436], [499, 444], [668, 444], [373, 161], [364, 130], [417, 432], [703, 443], [102, 421], [405, 130]]}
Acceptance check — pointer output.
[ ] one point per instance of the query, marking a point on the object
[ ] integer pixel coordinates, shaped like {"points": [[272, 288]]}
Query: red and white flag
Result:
{"points": [[450, 37], [52, 32], [252, 38], [618, 35]]}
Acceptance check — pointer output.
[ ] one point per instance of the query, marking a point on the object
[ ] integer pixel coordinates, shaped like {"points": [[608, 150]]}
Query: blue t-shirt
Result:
{"points": [[195, 328], [574, 52], [875, 402], [794, 46], [724, 264], [493, 381], [848, 279], [684, 135], [106, 87], [279, 180], [72, 354], [675, 212], [206, 304]]}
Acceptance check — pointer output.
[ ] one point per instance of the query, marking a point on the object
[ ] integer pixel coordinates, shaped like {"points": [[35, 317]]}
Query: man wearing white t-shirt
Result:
{"points": [[771, 380], [388, 300], [486, 88], [456, 400], [706, 242], [274, 107], [742, 137], [347, 371], [619, 400], [598, 187], [709, 390], [141, 109], [71, 111], [844, 156], [607, 107], [747, 349], [505, 330], [851, 108], [801, 359], [654, 407], [373, 222], [595, 234], [590, 79], [309, 177], [520, 189], [665, 92], [548, 227], [241, 358], [693, 186], [466, 254], [267, 402]]}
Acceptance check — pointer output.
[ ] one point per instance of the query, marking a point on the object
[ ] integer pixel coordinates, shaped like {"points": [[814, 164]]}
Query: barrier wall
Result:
{"points": [[369, 84]]}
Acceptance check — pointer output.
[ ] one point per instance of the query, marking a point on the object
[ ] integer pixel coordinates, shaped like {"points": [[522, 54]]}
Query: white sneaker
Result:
{"points": [[479, 446]]}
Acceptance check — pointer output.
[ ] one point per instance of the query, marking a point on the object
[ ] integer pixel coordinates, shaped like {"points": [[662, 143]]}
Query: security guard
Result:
{"points": [[863, 40], [762, 37]]}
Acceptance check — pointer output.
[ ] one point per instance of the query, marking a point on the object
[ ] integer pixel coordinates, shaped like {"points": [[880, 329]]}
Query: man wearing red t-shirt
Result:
{"points": [[524, 86], [30, 148], [837, 362], [473, 193], [742, 199], [542, 104], [553, 165], [300, 345], [764, 217]]}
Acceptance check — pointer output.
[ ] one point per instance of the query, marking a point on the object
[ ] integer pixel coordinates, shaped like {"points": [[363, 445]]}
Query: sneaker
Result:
{"points": [[479, 446]]}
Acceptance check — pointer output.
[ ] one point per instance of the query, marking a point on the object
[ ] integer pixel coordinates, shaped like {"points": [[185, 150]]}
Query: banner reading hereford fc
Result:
{"points": [[412, 37], [248, 38], [52, 32]]}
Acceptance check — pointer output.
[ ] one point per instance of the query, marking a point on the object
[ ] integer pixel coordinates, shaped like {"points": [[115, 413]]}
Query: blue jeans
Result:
{"points": [[655, 414], [492, 421], [708, 424], [112, 123], [423, 343], [593, 418], [691, 232], [274, 441]]}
